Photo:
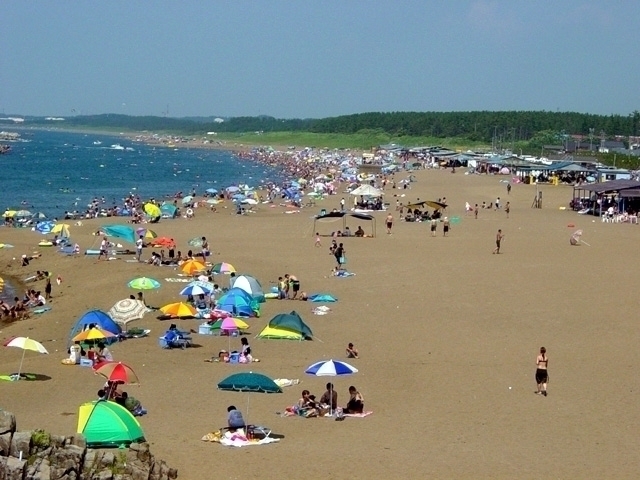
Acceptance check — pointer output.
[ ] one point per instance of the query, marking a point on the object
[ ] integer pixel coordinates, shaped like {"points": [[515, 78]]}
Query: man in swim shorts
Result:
{"points": [[103, 249], [294, 283], [542, 376], [499, 237], [389, 222]]}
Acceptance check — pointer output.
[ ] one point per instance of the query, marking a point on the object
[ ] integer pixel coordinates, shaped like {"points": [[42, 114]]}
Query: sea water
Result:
{"points": [[56, 171]]}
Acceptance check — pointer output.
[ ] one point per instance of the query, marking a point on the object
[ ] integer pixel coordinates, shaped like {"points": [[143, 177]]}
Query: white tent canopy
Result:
{"points": [[368, 191]]}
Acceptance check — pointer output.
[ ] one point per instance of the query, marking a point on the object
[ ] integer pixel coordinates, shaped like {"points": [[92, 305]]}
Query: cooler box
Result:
{"points": [[234, 357], [85, 362], [205, 329]]}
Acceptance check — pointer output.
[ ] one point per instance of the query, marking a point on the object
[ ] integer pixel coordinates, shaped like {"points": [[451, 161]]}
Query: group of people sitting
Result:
{"points": [[309, 407], [112, 393], [13, 312], [97, 353]]}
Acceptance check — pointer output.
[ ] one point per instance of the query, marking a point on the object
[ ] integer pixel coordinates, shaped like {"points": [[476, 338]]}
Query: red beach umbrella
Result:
{"points": [[117, 372]]}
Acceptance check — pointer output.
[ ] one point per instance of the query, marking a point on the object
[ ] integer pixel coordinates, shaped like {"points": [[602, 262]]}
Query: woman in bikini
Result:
{"points": [[542, 377]]}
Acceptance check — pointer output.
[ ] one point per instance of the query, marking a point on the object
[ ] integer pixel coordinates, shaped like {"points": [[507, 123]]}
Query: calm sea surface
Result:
{"points": [[58, 171]]}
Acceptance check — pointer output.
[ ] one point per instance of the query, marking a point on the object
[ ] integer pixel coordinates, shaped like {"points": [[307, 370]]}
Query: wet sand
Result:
{"points": [[444, 328]]}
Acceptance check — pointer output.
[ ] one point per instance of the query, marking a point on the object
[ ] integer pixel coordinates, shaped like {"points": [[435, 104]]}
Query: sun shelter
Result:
{"points": [[322, 297], [336, 216], [287, 326], [367, 191], [239, 303], [168, 210], [124, 232], [250, 285], [100, 320], [107, 424]]}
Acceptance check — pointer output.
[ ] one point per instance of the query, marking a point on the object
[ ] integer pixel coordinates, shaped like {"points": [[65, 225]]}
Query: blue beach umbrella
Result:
{"points": [[212, 190], [187, 199], [195, 290], [330, 368], [232, 189], [44, 227]]}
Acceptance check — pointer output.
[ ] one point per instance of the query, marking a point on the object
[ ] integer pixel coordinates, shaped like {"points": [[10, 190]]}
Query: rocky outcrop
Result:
{"points": [[38, 455]]}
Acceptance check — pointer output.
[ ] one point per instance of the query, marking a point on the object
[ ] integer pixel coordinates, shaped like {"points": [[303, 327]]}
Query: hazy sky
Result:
{"points": [[313, 58]]}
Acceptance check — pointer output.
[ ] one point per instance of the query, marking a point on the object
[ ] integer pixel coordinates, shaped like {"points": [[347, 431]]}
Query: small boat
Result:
{"points": [[117, 146], [97, 142]]}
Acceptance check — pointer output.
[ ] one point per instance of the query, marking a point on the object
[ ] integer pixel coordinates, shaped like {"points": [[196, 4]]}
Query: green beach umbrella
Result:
{"points": [[144, 283]]}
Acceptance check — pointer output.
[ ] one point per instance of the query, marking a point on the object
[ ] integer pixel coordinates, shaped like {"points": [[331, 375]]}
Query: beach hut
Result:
{"points": [[250, 285], [107, 424], [287, 326]]}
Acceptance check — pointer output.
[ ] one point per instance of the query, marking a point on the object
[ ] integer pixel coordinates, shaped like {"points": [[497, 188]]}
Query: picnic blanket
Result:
{"points": [[236, 439], [321, 310], [343, 274], [41, 310], [14, 376]]}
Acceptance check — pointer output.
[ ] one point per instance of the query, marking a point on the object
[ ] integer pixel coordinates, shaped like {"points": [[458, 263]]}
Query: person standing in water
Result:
{"points": [[542, 376]]}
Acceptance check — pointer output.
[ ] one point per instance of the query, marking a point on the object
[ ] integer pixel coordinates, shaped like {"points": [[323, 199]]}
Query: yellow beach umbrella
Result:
{"points": [[179, 309], [152, 210], [193, 266], [61, 229], [94, 333], [9, 213]]}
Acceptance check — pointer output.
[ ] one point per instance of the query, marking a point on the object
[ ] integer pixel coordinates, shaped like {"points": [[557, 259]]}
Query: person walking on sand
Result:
{"points": [[318, 242], [434, 227], [499, 237], [342, 204], [389, 222], [542, 376], [508, 189], [104, 245], [139, 244], [507, 208], [475, 211], [445, 226], [205, 249]]}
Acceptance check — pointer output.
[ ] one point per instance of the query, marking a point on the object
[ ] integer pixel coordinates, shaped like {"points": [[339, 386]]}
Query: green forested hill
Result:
{"points": [[477, 126]]}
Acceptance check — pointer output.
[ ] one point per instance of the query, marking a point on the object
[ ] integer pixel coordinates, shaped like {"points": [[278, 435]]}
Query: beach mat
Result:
{"points": [[359, 415]]}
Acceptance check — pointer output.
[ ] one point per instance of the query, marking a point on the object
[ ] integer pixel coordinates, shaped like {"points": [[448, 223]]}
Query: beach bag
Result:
{"points": [[343, 260]]}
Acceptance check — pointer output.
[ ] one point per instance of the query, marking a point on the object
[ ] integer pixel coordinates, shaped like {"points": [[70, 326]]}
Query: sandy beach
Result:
{"points": [[447, 332]]}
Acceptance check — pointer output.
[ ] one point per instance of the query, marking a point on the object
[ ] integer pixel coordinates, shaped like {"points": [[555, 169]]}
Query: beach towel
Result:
{"points": [[285, 382], [343, 274], [41, 310], [358, 415], [321, 310], [236, 439], [178, 280], [14, 376]]}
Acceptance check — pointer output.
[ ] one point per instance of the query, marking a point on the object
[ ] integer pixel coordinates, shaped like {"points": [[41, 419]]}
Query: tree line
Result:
{"points": [[483, 126]]}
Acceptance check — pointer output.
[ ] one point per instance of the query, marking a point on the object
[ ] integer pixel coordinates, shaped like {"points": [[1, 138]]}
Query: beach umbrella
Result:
{"points": [[330, 368], [9, 214], [195, 242], [25, 343], [192, 266], [163, 242], [249, 382], [117, 372], [23, 213], [92, 334], [144, 283], [223, 267], [44, 227], [435, 205], [187, 199], [152, 210], [231, 324], [127, 310], [146, 233], [61, 229], [232, 189], [194, 290], [212, 190], [179, 309]]}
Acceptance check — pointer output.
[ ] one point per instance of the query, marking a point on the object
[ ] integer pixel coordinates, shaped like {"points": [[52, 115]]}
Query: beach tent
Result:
{"points": [[168, 210], [322, 297], [239, 303], [334, 216], [100, 320], [287, 326], [44, 227], [120, 231], [107, 424], [250, 285]]}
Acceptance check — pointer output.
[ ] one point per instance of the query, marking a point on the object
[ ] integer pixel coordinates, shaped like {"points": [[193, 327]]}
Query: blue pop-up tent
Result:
{"points": [[124, 232], [100, 320]]}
